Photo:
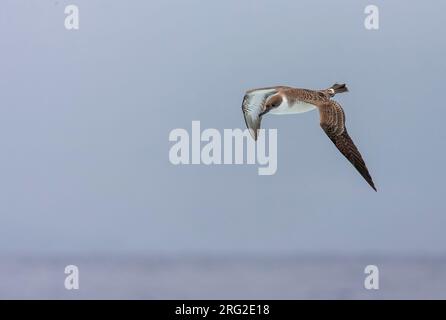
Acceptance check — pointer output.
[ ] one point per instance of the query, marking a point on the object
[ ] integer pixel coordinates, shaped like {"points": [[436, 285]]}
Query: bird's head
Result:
{"points": [[272, 102]]}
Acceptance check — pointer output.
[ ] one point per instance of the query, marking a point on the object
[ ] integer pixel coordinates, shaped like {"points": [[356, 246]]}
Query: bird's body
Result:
{"points": [[282, 100], [296, 107]]}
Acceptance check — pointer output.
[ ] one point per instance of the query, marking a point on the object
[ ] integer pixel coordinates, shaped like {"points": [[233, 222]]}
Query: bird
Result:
{"points": [[282, 100]]}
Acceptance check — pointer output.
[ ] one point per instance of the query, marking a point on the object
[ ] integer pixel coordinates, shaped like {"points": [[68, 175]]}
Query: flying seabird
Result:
{"points": [[287, 100]]}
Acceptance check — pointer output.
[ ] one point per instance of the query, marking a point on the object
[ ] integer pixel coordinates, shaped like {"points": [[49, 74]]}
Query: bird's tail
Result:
{"points": [[337, 88]]}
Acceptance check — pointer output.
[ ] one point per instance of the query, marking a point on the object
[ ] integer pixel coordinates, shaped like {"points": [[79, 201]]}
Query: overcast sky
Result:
{"points": [[86, 115]]}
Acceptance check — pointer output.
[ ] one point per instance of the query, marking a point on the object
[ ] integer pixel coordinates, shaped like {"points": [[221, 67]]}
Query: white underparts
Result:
{"points": [[297, 107]]}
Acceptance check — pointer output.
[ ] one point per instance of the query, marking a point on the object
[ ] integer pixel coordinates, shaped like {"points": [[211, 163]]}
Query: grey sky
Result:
{"points": [[85, 119]]}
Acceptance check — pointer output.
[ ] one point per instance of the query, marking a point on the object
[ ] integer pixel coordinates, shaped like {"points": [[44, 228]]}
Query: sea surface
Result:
{"points": [[222, 278]]}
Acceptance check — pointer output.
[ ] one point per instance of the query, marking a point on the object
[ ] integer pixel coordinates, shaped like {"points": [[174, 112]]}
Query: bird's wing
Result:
{"points": [[332, 121], [253, 106]]}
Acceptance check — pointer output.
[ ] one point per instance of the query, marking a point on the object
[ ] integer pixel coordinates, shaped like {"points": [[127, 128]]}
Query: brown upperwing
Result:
{"points": [[332, 121], [309, 96]]}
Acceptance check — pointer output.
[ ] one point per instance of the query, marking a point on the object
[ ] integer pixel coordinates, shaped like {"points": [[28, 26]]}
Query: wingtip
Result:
{"points": [[253, 134]]}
